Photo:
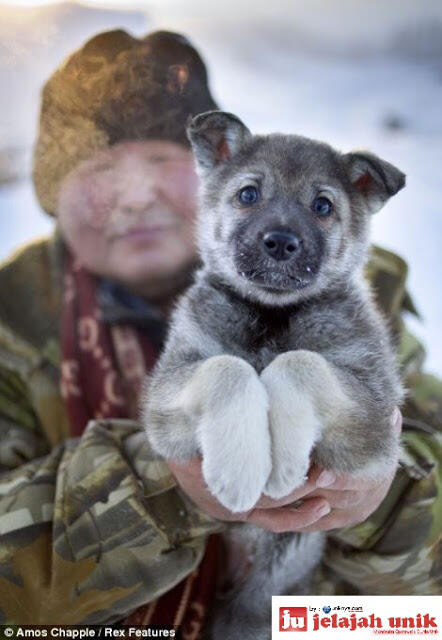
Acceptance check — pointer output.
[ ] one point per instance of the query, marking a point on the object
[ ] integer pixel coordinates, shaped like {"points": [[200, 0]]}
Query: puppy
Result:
{"points": [[277, 356]]}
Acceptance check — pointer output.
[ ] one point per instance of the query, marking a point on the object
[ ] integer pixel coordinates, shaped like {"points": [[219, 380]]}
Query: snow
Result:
{"points": [[354, 73]]}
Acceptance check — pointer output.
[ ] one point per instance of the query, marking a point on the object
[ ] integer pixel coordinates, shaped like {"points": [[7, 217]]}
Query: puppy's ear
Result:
{"points": [[216, 137], [375, 179]]}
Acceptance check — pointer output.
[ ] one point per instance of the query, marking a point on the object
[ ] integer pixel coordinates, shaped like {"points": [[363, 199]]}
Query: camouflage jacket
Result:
{"points": [[91, 528]]}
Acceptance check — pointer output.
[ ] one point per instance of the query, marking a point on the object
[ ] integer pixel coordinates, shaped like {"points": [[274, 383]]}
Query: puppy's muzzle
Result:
{"points": [[281, 244]]}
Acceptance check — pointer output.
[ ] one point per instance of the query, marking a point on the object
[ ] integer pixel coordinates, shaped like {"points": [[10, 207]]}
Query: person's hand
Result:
{"points": [[351, 501], [273, 515], [325, 501]]}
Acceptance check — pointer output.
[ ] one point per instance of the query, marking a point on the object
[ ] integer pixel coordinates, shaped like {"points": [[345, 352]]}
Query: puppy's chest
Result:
{"points": [[259, 335]]}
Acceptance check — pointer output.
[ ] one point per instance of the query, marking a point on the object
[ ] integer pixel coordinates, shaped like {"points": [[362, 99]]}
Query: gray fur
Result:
{"points": [[271, 365]]}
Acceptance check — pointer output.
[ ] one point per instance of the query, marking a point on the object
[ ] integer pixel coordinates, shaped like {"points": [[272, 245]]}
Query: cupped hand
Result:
{"points": [[325, 501]]}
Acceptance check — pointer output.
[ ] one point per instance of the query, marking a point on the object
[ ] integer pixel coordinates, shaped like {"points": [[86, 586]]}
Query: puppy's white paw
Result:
{"points": [[288, 473], [294, 430], [237, 479], [294, 426], [235, 442]]}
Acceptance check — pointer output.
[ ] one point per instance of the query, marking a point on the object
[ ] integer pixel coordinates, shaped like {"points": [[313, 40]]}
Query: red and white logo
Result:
{"points": [[293, 618]]}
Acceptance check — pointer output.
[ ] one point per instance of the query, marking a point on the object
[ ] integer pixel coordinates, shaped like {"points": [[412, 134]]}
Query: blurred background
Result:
{"points": [[354, 73]]}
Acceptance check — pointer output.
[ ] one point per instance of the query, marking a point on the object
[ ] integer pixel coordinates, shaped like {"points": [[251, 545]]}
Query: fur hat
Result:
{"points": [[116, 87]]}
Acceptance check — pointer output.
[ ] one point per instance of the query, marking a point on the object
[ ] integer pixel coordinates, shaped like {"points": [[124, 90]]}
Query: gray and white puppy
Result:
{"points": [[276, 356]]}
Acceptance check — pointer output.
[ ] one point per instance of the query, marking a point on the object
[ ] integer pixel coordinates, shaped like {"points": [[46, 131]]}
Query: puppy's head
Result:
{"points": [[283, 217]]}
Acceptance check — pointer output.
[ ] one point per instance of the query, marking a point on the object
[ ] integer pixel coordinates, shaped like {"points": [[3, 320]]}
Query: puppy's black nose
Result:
{"points": [[281, 244]]}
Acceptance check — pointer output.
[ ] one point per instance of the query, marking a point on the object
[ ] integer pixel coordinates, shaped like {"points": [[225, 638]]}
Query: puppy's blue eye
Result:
{"points": [[248, 195], [322, 206]]}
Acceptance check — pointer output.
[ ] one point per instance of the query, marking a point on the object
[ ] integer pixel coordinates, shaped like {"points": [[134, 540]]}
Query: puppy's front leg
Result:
{"points": [[225, 407], [233, 430], [304, 395]]}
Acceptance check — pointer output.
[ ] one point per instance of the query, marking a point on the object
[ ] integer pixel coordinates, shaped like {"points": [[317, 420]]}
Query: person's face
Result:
{"points": [[127, 213]]}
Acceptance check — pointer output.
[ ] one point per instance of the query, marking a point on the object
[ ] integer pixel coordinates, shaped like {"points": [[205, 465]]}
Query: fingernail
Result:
{"points": [[325, 479], [323, 509], [394, 417]]}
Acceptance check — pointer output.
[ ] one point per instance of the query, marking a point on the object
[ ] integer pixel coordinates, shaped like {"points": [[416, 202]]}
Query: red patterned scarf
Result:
{"points": [[101, 375]]}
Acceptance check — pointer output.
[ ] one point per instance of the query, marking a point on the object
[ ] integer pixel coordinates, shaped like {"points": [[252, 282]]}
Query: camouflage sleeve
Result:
{"points": [[398, 549], [90, 530], [20, 440]]}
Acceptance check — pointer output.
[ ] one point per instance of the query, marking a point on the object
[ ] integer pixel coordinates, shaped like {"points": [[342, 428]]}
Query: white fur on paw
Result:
{"points": [[236, 447], [288, 473], [294, 428], [294, 433]]}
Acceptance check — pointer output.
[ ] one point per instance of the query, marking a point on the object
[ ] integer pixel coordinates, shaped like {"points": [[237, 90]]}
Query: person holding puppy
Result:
{"points": [[110, 533]]}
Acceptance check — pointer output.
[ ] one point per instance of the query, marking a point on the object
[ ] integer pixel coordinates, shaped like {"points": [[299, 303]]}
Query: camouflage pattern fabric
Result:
{"points": [[397, 551], [91, 528]]}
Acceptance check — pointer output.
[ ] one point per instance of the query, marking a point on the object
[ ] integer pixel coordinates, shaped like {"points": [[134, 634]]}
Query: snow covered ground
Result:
{"points": [[355, 73]]}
